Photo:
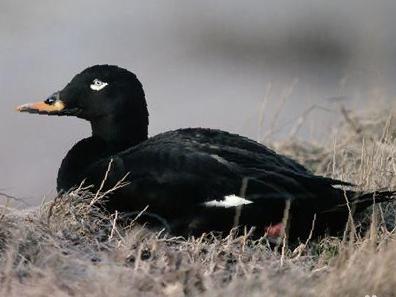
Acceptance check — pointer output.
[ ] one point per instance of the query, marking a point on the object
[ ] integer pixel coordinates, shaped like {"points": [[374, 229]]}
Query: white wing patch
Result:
{"points": [[229, 201], [97, 85]]}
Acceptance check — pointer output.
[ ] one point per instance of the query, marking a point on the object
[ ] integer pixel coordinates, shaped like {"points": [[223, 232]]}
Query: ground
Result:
{"points": [[69, 248]]}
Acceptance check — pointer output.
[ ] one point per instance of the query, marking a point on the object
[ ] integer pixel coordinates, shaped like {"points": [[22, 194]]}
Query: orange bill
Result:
{"points": [[41, 107]]}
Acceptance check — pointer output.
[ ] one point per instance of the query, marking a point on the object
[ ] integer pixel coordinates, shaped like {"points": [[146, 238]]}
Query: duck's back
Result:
{"points": [[233, 149]]}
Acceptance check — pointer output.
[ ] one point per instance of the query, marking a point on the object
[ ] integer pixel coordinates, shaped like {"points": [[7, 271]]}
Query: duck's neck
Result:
{"points": [[109, 137], [120, 132]]}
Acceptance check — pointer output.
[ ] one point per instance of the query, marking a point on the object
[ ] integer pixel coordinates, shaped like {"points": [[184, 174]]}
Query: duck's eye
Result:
{"points": [[97, 85]]}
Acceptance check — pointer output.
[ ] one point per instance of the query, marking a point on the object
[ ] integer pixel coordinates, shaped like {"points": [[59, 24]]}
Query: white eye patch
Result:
{"points": [[97, 85]]}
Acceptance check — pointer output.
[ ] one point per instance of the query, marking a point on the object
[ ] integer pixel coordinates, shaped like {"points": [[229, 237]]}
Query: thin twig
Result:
{"points": [[285, 223], [113, 225], [102, 183], [304, 245], [242, 193]]}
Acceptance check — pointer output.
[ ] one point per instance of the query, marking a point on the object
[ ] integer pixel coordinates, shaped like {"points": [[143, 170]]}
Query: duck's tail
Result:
{"points": [[334, 219], [361, 200]]}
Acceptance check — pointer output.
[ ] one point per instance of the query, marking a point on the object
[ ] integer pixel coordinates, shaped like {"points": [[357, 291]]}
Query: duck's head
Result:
{"points": [[98, 91], [110, 97]]}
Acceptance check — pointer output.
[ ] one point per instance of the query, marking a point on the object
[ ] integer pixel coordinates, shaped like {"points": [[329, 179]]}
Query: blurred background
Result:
{"points": [[251, 67]]}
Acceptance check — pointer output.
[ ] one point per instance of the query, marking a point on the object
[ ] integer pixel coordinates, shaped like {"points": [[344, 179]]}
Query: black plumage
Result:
{"points": [[183, 175]]}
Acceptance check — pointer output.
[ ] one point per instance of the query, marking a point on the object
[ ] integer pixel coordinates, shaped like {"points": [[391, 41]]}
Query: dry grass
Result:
{"points": [[70, 248]]}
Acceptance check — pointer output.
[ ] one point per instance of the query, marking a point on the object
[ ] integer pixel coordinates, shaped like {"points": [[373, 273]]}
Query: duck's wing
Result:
{"points": [[221, 142], [168, 176], [253, 159]]}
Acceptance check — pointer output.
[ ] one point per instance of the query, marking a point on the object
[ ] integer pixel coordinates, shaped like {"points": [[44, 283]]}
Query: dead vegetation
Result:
{"points": [[70, 248]]}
